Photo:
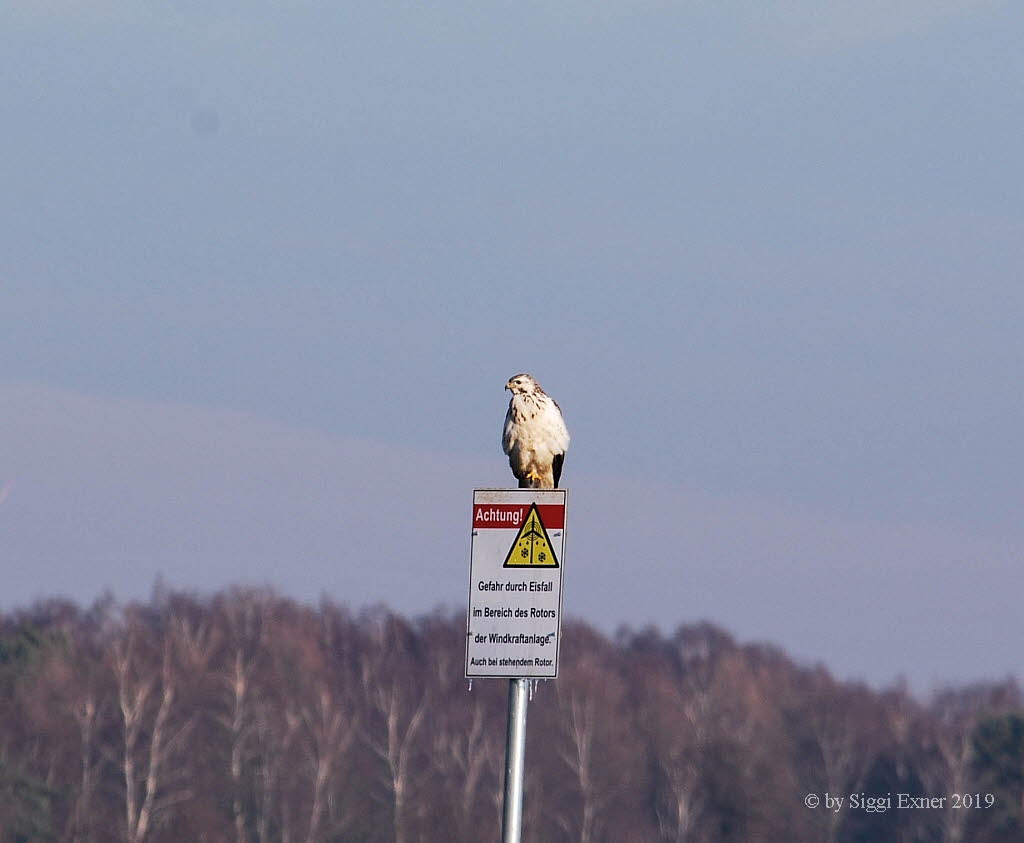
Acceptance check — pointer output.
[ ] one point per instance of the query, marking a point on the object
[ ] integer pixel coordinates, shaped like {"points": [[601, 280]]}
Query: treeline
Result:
{"points": [[245, 717]]}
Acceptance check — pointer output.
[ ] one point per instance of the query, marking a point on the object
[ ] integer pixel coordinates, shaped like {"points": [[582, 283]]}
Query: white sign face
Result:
{"points": [[515, 583]]}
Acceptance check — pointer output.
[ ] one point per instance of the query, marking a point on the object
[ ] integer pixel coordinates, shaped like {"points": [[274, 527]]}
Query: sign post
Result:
{"points": [[515, 610], [515, 761]]}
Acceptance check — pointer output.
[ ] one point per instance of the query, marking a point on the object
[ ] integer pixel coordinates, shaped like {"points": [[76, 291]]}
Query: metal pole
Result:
{"points": [[515, 756]]}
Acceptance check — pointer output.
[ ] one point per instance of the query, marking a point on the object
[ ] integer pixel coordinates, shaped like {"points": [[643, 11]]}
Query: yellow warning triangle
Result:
{"points": [[532, 547]]}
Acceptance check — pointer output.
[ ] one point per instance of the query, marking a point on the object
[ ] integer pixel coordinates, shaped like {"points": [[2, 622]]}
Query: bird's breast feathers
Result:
{"points": [[535, 424]]}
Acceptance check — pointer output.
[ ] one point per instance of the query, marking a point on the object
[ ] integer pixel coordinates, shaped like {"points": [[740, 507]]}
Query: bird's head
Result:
{"points": [[522, 384]]}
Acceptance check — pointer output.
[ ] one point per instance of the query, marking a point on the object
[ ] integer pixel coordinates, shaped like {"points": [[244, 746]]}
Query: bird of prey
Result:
{"points": [[535, 437]]}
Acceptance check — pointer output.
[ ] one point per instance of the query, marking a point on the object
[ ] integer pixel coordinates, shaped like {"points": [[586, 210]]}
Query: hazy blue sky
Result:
{"points": [[265, 268]]}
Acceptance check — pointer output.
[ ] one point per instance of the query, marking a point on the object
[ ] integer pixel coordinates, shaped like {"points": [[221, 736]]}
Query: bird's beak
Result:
{"points": [[508, 386]]}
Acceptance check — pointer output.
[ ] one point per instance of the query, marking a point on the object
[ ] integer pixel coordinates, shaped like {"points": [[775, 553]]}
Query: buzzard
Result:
{"points": [[535, 437]]}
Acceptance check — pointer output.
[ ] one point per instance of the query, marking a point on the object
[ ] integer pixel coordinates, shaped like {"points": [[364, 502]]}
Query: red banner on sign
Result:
{"points": [[510, 516]]}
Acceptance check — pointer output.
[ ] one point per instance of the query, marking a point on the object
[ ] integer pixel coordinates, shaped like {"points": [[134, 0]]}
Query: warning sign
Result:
{"points": [[532, 546], [515, 583]]}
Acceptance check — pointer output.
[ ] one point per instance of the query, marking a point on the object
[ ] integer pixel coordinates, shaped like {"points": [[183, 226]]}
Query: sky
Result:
{"points": [[265, 269]]}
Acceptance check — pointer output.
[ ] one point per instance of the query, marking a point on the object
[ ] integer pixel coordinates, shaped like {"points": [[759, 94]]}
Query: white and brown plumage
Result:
{"points": [[535, 437]]}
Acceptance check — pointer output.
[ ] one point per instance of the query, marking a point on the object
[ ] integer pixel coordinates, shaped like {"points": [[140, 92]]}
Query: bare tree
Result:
{"points": [[236, 722], [398, 706], [466, 755], [87, 713], [327, 731], [577, 753], [152, 734], [846, 730], [402, 712], [275, 735], [586, 756], [947, 757], [242, 615]]}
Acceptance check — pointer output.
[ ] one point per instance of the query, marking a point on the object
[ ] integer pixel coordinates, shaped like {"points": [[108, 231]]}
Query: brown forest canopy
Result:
{"points": [[245, 716]]}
